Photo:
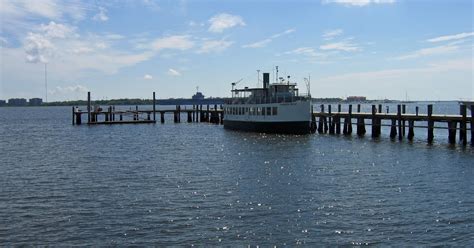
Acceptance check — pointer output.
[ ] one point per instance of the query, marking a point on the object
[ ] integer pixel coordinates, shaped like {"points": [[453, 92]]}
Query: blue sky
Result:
{"points": [[128, 49]]}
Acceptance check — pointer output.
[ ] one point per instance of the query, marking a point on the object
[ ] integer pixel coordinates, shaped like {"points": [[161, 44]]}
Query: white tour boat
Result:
{"points": [[275, 108]]}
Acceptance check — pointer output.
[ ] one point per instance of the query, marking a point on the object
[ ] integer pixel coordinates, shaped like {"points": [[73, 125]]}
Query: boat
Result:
{"points": [[274, 108]]}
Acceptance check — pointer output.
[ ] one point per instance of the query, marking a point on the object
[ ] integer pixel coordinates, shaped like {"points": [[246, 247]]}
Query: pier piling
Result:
{"points": [[430, 124], [399, 117], [403, 121], [154, 106], [452, 132], [393, 129], [330, 120], [463, 125], [88, 107], [411, 132]]}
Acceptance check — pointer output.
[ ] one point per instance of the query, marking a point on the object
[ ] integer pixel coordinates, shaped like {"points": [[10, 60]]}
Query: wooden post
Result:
{"points": [[403, 119], [107, 114], [154, 106], [430, 124], [113, 113], [472, 125], [121, 118], [88, 107], [338, 120], [162, 117], [380, 108], [452, 132], [221, 121], [331, 122], [463, 125], [73, 115], [360, 123], [374, 122], [325, 122], [399, 117], [411, 132], [190, 118], [393, 129], [416, 110], [349, 128]]}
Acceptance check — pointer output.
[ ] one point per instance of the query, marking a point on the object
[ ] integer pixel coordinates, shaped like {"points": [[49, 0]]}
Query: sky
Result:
{"points": [[381, 49]]}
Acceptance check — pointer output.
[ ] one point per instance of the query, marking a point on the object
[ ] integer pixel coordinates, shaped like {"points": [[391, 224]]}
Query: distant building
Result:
{"points": [[198, 96], [3, 102], [17, 102], [36, 101], [356, 98]]}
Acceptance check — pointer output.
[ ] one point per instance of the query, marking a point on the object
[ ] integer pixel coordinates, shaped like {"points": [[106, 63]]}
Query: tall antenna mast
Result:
{"points": [[46, 81], [258, 77], [276, 78]]}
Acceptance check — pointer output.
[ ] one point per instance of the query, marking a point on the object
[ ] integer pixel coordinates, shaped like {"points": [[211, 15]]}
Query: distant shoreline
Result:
{"points": [[208, 101]]}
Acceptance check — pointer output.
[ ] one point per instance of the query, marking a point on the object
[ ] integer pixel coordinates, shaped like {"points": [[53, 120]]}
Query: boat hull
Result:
{"points": [[287, 127]]}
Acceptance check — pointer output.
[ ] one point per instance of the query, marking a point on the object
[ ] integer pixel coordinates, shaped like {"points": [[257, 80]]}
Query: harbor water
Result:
{"points": [[198, 184]]}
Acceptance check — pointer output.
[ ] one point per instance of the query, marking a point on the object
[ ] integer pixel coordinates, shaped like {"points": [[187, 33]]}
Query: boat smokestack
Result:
{"points": [[266, 80]]}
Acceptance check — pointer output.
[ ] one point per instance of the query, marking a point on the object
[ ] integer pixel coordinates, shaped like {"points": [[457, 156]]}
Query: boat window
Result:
{"points": [[269, 111], [275, 111], [263, 110]]}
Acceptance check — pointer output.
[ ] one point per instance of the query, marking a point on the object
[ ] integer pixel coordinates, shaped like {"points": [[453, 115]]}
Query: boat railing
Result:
{"points": [[265, 100]]}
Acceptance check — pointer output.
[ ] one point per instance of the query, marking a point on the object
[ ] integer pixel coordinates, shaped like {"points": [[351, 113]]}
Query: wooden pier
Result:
{"points": [[323, 122], [330, 122]]}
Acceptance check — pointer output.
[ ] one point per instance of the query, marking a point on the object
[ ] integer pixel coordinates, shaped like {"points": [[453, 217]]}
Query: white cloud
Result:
{"points": [[209, 46], [258, 44], [38, 48], [179, 42], [393, 83], [3, 42], [341, 46], [428, 51], [82, 50], [59, 90], [223, 21], [451, 37], [60, 44], [358, 3], [265, 42], [19, 15], [56, 30], [151, 4], [147, 77], [101, 16], [173, 72], [196, 24], [307, 51], [331, 34]]}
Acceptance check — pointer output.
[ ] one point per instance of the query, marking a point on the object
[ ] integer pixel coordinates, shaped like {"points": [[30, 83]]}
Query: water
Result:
{"points": [[184, 184]]}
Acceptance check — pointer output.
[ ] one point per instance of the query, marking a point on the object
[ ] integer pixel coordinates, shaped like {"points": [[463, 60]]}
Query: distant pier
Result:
{"points": [[326, 121]]}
